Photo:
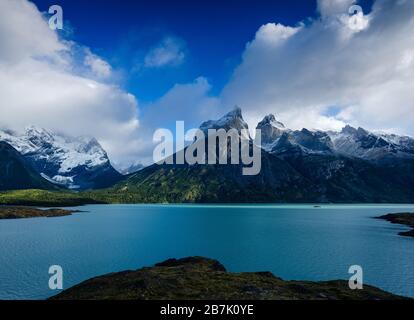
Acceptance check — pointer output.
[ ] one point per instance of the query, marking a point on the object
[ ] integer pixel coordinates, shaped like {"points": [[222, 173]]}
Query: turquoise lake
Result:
{"points": [[298, 242]]}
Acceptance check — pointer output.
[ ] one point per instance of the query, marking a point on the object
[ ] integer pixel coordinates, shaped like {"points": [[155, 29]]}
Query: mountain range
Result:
{"points": [[349, 142], [352, 165], [77, 163]]}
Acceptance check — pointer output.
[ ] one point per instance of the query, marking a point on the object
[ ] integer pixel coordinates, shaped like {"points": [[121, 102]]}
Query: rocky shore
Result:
{"points": [[16, 212], [404, 218], [197, 278]]}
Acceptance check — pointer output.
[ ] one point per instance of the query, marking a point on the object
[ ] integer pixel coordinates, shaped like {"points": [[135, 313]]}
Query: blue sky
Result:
{"points": [[214, 35]]}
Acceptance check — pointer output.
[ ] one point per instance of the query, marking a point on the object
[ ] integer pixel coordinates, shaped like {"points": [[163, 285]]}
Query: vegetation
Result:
{"points": [[310, 179], [206, 184], [206, 279], [44, 198]]}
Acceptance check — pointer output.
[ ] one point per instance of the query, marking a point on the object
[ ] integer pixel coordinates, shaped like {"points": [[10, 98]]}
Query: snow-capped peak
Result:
{"points": [[232, 120], [59, 157], [235, 113], [369, 145], [271, 131], [271, 120], [350, 141]]}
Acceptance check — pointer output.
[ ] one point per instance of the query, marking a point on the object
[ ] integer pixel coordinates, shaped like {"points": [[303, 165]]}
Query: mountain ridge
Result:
{"points": [[77, 163], [297, 166], [301, 166]]}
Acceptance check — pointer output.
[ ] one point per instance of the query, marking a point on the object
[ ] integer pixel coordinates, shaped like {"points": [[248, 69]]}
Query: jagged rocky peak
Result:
{"points": [[36, 135], [271, 130], [318, 141], [91, 146], [367, 145], [348, 130], [270, 120], [232, 120], [358, 133], [235, 113]]}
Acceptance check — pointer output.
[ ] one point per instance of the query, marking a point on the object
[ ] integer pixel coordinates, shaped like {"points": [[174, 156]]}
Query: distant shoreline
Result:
{"points": [[404, 218], [16, 212], [58, 199]]}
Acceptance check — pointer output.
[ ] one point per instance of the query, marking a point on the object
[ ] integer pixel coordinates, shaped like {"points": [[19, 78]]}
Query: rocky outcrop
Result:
{"points": [[404, 218], [29, 212], [197, 278]]}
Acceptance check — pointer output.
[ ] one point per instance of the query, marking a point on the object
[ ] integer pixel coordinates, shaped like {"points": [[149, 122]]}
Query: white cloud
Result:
{"points": [[169, 52], [334, 7], [367, 72], [272, 34], [42, 82], [99, 67], [24, 34], [190, 102]]}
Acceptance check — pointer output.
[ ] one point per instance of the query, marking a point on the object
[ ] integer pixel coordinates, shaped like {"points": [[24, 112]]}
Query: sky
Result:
{"points": [[211, 35], [119, 70]]}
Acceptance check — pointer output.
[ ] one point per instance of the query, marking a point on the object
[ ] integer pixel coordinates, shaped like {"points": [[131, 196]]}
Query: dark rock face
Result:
{"points": [[16, 173], [206, 279]]}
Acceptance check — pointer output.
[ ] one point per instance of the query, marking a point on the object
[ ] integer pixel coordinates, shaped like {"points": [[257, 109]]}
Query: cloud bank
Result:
{"points": [[362, 65]]}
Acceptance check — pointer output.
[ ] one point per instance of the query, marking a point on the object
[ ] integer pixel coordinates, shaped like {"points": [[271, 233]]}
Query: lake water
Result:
{"points": [[293, 241]]}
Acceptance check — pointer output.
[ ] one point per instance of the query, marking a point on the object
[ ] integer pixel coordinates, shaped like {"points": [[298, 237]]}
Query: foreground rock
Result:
{"points": [[28, 212], [401, 218], [205, 279]]}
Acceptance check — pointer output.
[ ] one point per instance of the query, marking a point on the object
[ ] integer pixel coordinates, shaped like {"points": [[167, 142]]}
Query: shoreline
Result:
{"points": [[23, 212], [404, 218]]}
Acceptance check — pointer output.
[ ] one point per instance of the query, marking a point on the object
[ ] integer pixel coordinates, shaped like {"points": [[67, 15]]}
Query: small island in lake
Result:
{"points": [[404, 218], [16, 212], [206, 279]]}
